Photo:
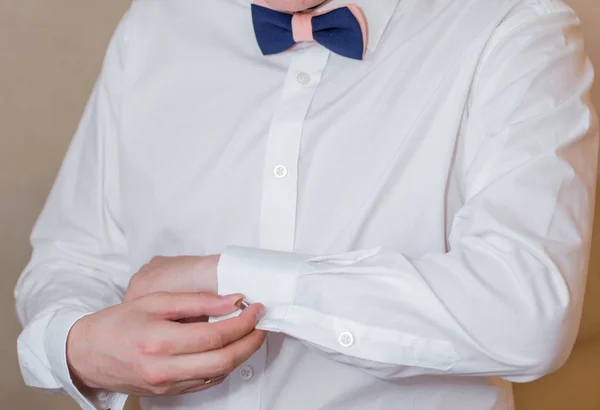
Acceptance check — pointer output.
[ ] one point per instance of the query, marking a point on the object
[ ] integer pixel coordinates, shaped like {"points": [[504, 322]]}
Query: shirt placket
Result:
{"points": [[277, 227], [280, 175]]}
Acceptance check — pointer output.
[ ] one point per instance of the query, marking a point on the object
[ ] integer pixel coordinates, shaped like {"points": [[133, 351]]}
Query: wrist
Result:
{"points": [[76, 359]]}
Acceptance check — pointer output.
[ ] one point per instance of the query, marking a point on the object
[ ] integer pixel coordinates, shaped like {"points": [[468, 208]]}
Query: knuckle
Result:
{"points": [[226, 364], [159, 263], [156, 259], [162, 390], [143, 271], [134, 279], [134, 283], [129, 296], [150, 377], [152, 347], [156, 379]]}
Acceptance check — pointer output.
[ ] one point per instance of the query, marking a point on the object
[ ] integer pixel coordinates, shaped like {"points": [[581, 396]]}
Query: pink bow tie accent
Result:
{"points": [[302, 22]]}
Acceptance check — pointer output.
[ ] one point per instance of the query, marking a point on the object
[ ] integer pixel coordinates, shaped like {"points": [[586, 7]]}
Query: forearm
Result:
{"points": [[505, 298], [79, 263], [51, 295], [465, 313]]}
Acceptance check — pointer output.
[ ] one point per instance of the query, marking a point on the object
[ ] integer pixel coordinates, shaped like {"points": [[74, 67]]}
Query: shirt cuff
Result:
{"points": [[262, 276], [55, 343]]}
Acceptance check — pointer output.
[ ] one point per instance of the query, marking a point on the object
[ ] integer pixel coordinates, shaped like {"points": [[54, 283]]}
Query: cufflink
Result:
{"points": [[242, 304]]}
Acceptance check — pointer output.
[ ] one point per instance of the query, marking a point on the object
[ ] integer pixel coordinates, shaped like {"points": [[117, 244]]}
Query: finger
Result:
{"points": [[202, 387], [192, 338], [192, 386], [216, 362], [201, 319], [176, 306]]}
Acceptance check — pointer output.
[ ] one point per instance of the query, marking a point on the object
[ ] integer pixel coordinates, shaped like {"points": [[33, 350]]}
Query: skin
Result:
{"points": [[293, 5], [174, 274], [152, 344], [156, 342]]}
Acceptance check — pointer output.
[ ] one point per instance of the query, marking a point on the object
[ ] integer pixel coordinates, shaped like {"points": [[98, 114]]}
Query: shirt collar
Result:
{"points": [[378, 14]]}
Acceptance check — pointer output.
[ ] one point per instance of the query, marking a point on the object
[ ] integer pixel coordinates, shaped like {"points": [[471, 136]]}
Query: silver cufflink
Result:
{"points": [[242, 304]]}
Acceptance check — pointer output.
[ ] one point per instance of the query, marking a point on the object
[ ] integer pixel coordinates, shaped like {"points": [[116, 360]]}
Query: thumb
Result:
{"points": [[177, 306]]}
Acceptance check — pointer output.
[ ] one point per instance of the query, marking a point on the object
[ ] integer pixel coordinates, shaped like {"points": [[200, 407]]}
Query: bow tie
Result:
{"points": [[341, 30]]}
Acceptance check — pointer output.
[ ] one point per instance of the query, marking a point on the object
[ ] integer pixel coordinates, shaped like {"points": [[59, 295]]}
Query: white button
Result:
{"points": [[246, 372], [280, 171], [346, 339], [303, 78]]}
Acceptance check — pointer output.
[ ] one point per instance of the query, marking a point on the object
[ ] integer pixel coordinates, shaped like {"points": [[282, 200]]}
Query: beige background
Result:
{"points": [[50, 54]]}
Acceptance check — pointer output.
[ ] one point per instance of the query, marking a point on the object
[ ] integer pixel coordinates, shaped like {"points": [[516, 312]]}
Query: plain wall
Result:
{"points": [[50, 55]]}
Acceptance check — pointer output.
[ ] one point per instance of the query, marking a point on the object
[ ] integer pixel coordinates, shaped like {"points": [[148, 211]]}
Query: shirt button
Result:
{"points": [[246, 372], [303, 78], [280, 171], [346, 339]]}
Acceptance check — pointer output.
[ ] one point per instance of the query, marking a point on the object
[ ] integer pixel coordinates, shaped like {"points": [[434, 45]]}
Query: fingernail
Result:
{"points": [[235, 298], [243, 305], [261, 313]]}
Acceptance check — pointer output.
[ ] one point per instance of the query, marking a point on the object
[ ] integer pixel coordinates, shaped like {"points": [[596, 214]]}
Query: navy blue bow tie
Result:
{"points": [[341, 30]]}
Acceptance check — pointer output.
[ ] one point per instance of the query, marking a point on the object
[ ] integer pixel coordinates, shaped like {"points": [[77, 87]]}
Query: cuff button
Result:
{"points": [[346, 339]]}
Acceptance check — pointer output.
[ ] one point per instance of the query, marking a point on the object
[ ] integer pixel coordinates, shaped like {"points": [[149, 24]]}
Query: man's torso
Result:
{"points": [[304, 151]]}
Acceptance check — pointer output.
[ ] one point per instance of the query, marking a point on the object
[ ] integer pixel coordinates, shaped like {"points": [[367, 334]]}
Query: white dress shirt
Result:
{"points": [[417, 224]]}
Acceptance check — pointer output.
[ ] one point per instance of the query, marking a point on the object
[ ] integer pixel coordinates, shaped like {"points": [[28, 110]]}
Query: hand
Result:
{"points": [[174, 274], [140, 348]]}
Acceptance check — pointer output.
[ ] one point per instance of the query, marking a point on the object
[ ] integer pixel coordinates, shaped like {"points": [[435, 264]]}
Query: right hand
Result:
{"points": [[140, 348]]}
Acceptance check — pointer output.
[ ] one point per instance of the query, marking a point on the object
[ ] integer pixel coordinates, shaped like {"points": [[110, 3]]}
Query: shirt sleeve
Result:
{"points": [[506, 298], [79, 262]]}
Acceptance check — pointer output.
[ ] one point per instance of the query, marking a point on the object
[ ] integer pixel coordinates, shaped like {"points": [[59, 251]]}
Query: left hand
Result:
{"points": [[177, 274]]}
